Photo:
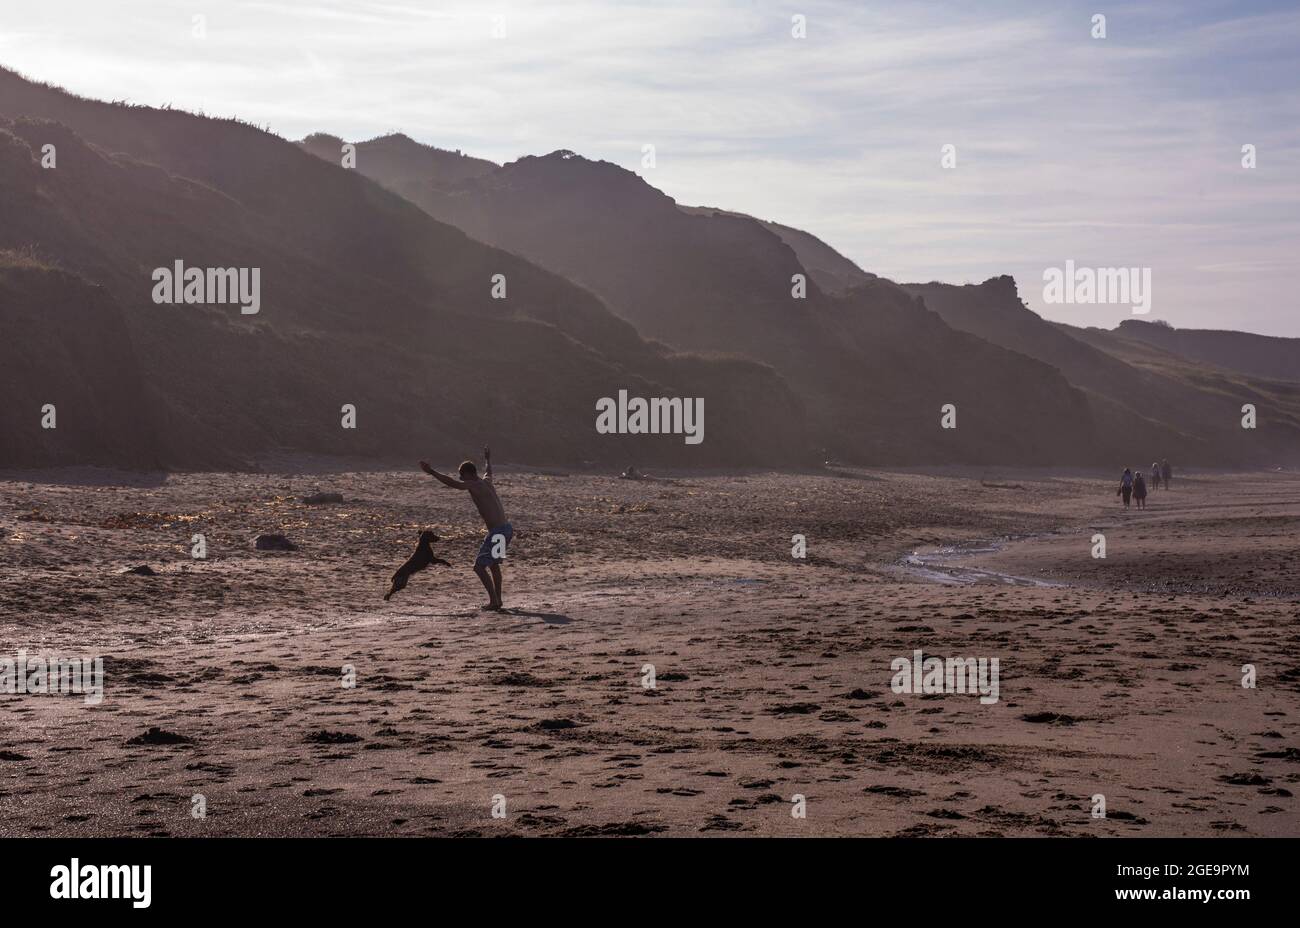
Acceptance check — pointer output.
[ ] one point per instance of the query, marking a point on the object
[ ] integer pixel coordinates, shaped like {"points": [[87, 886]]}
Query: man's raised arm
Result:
{"points": [[449, 481]]}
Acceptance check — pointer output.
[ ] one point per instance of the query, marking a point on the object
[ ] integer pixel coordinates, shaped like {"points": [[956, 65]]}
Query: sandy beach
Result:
{"points": [[1119, 677]]}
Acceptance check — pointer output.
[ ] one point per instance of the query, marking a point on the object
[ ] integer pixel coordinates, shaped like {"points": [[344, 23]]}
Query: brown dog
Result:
{"points": [[421, 559]]}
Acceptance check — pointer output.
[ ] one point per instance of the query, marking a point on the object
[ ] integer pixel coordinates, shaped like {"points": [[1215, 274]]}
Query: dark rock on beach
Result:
{"points": [[156, 735], [275, 543]]}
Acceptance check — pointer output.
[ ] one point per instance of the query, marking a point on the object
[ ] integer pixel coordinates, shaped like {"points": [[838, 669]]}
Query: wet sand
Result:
{"points": [[1119, 677]]}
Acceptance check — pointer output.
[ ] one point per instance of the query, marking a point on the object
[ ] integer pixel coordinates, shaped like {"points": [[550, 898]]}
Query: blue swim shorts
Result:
{"points": [[485, 557]]}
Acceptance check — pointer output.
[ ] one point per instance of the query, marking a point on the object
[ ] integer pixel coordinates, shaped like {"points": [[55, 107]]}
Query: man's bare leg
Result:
{"points": [[493, 602], [496, 582]]}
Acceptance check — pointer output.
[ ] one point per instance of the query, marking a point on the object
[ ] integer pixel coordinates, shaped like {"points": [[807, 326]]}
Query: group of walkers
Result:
{"points": [[1134, 485]]}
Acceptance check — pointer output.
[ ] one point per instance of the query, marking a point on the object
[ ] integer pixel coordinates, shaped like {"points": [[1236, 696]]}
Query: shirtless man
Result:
{"points": [[484, 494]]}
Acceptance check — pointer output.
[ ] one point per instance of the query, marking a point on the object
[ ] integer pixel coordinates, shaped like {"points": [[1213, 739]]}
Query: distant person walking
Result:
{"points": [[1166, 471], [1125, 486], [1140, 490], [1155, 475]]}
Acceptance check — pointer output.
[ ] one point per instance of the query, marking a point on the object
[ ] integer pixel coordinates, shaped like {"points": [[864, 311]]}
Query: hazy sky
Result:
{"points": [[1122, 151]]}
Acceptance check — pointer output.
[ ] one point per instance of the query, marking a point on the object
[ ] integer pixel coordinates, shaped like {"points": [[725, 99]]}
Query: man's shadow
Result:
{"points": [[550, 618]]}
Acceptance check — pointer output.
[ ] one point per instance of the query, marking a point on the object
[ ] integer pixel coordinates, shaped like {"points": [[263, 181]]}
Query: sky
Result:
{"points": [[1122, 151]]}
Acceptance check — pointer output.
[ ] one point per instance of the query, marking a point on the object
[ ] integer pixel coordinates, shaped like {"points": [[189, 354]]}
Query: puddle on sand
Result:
{"points": [[943, 565]]}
